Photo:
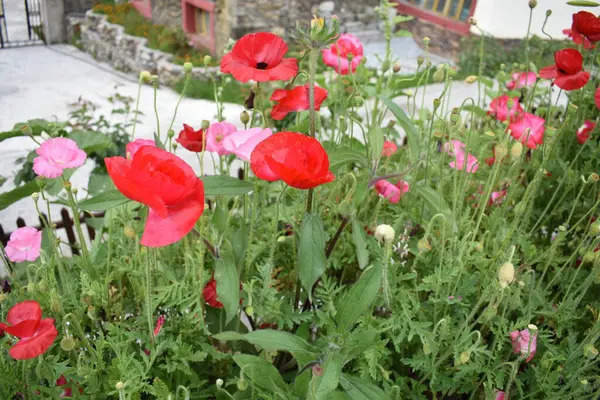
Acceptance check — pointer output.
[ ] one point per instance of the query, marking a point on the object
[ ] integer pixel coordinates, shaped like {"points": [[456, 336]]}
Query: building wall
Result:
{"points": [[166, 12], [509, 18]]}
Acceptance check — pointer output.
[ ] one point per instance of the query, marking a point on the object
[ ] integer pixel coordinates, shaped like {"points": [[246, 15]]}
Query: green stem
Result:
{"points": [[77, 222], [137, 110], [155, 86], [149, 310], [185, 85]]}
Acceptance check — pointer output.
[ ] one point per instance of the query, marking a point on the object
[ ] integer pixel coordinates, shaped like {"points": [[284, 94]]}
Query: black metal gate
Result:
{"points": [[21, 23]]}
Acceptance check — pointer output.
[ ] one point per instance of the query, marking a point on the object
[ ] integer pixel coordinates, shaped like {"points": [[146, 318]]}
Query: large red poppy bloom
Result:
{"points": [[578, 38], [259, 57], [166, 184], [191, 139], [35, 334], [586, 24], [296, 99], [297, 159], [568, 73]]}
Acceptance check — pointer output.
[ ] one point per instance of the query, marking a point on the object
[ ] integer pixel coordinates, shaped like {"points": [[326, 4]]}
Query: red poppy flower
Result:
{"points": [[35, 334], [528, 129], [568, 73], [586, 24], [191, 139], [166, 184], [389, 149], [159, 324], [296, 99], [210, 294], [67, 392], [578, 38], [259, 57], [583, 133], [297, 159], [499, 108]]}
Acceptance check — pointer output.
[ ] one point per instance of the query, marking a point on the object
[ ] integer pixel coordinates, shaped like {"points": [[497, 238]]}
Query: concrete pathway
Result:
{"points": [[16, 20], [405, 49]]}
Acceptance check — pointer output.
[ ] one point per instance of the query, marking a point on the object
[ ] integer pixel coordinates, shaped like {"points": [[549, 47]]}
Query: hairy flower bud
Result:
{"points": [[420, 60], [516, 150], [129, 232], [385, 233], [120, 385], [385, 66], [244, 117], [242, 385], [424, 246], [595, 229], [590, 351], [207, 59], [439, 75], [426, 41], [548, 13], [67, 343], [345, 209], [506, 274], [35, 196], [397, 67], [154, 79], [532, 3], [187, 67], [67, 186], [471, 79], [40, 181], [205, 124], [145, 76]]}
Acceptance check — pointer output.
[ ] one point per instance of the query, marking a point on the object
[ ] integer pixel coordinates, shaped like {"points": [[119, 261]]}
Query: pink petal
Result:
{"points": [[44, 167], [242, 143]]}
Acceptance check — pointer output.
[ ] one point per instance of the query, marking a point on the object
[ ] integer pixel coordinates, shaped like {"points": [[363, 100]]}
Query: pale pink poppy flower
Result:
{"points": [[390, 191], [521, 80], [215, 136], [242, 143], [24, 244], [496, 198], [336, 56], [499, 108], [133, 147], [500, 395], [583, 133], [520, 343], [528, 129], [56, 155], [389, 149], [456, 149]]}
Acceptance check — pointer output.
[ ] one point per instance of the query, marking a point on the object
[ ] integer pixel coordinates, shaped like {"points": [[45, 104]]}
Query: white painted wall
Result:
{"points": [[509, 18]]}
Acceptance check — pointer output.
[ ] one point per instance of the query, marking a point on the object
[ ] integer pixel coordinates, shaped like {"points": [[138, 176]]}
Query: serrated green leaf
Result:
{"points": [[360, 242], [228, 287], [361, 389], [359, 298], [311, 252], [414, 141], [225, 186], [104, 201]]}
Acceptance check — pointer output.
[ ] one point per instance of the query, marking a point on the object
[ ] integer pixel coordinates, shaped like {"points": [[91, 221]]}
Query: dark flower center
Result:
{"points": [[562, 71], [262, 65]]}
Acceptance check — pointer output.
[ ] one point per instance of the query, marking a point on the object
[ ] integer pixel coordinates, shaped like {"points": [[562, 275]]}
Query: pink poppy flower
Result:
{"points": [[159, 324], [521, 79], [520, 343], [336, 56], [390, 191], [456, 149], [242, 143], [528, 129], [583, 133], [56, 155], [500, 395], [497, 198], [24, 244], [389, 149], [499, 108], [134, 146], [216, 134]]}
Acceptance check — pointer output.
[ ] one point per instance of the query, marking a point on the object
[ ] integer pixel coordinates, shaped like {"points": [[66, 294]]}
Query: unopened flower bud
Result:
{"points": [[205, 124], [119, 385], [426, 41], [594, 177], [516, 150], [532, 3], [35, 196], [3, 297], [521, 283], [206, 60], [436, 104], [595, 229], [424, 246], [420, 60], [345, 208], [548, 13], [55, 303], [129, 232], [589, 257], [145, 76], [590, 351], [439, 75], [154, 79], [472, 21], [40, 182], [471, 79], [219, 383], [350, 56], [67, 343], [26, 130], [506, 274], [500, 151], [67, 186], [532, 327], [242, 384], [244, 117], [385, 66], [317, 370], [358, 101], [187, 67], [385, 233], [454, 118], [170, 133], [463, 358], [397, 67], [479, 246]]}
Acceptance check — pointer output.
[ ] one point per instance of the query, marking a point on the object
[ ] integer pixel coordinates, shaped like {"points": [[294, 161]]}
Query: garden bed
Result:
{"points": [[109, 42]]}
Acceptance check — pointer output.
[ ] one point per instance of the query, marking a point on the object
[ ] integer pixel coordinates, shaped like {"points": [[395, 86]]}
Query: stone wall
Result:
{"points": [[167, 12], [77, 6], [108, 42]]}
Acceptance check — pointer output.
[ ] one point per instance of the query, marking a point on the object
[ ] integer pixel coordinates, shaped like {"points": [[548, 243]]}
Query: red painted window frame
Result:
{"points": [[144, 7], [189, 22], [452, 24]]}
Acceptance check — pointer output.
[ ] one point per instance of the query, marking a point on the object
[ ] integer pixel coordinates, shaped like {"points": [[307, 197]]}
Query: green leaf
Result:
{"points": [[219, 218], [359, 298], [311, 252], [37, 127], [227, 336], [239, 242], [398, 19], [403, 33], [228, 287], [269, 339], [414, 142], [325, 384], [18, 193], [157, 142], [360, 241], [433, 200], [10, 134], [361, 389], [583, 3], [261, 372], [338, 395], [344, 155], [99, 183], [91, 142], [104, 201], [376, 143], [225, 186], [480, 112], [56, 185]]}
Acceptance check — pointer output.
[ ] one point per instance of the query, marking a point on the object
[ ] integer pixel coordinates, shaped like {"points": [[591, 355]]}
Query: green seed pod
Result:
{"points": [[242, 385], [439, 76], [206, 60], [187, 67], [205, 124], [67, 343], [171, 133]]}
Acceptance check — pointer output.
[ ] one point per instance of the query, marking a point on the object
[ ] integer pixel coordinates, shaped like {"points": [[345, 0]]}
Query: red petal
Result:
{"points": [[35, 345], [179, 221], [549, 72], [286, 69], [569, 61], [573, 82], [26, 310]]}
